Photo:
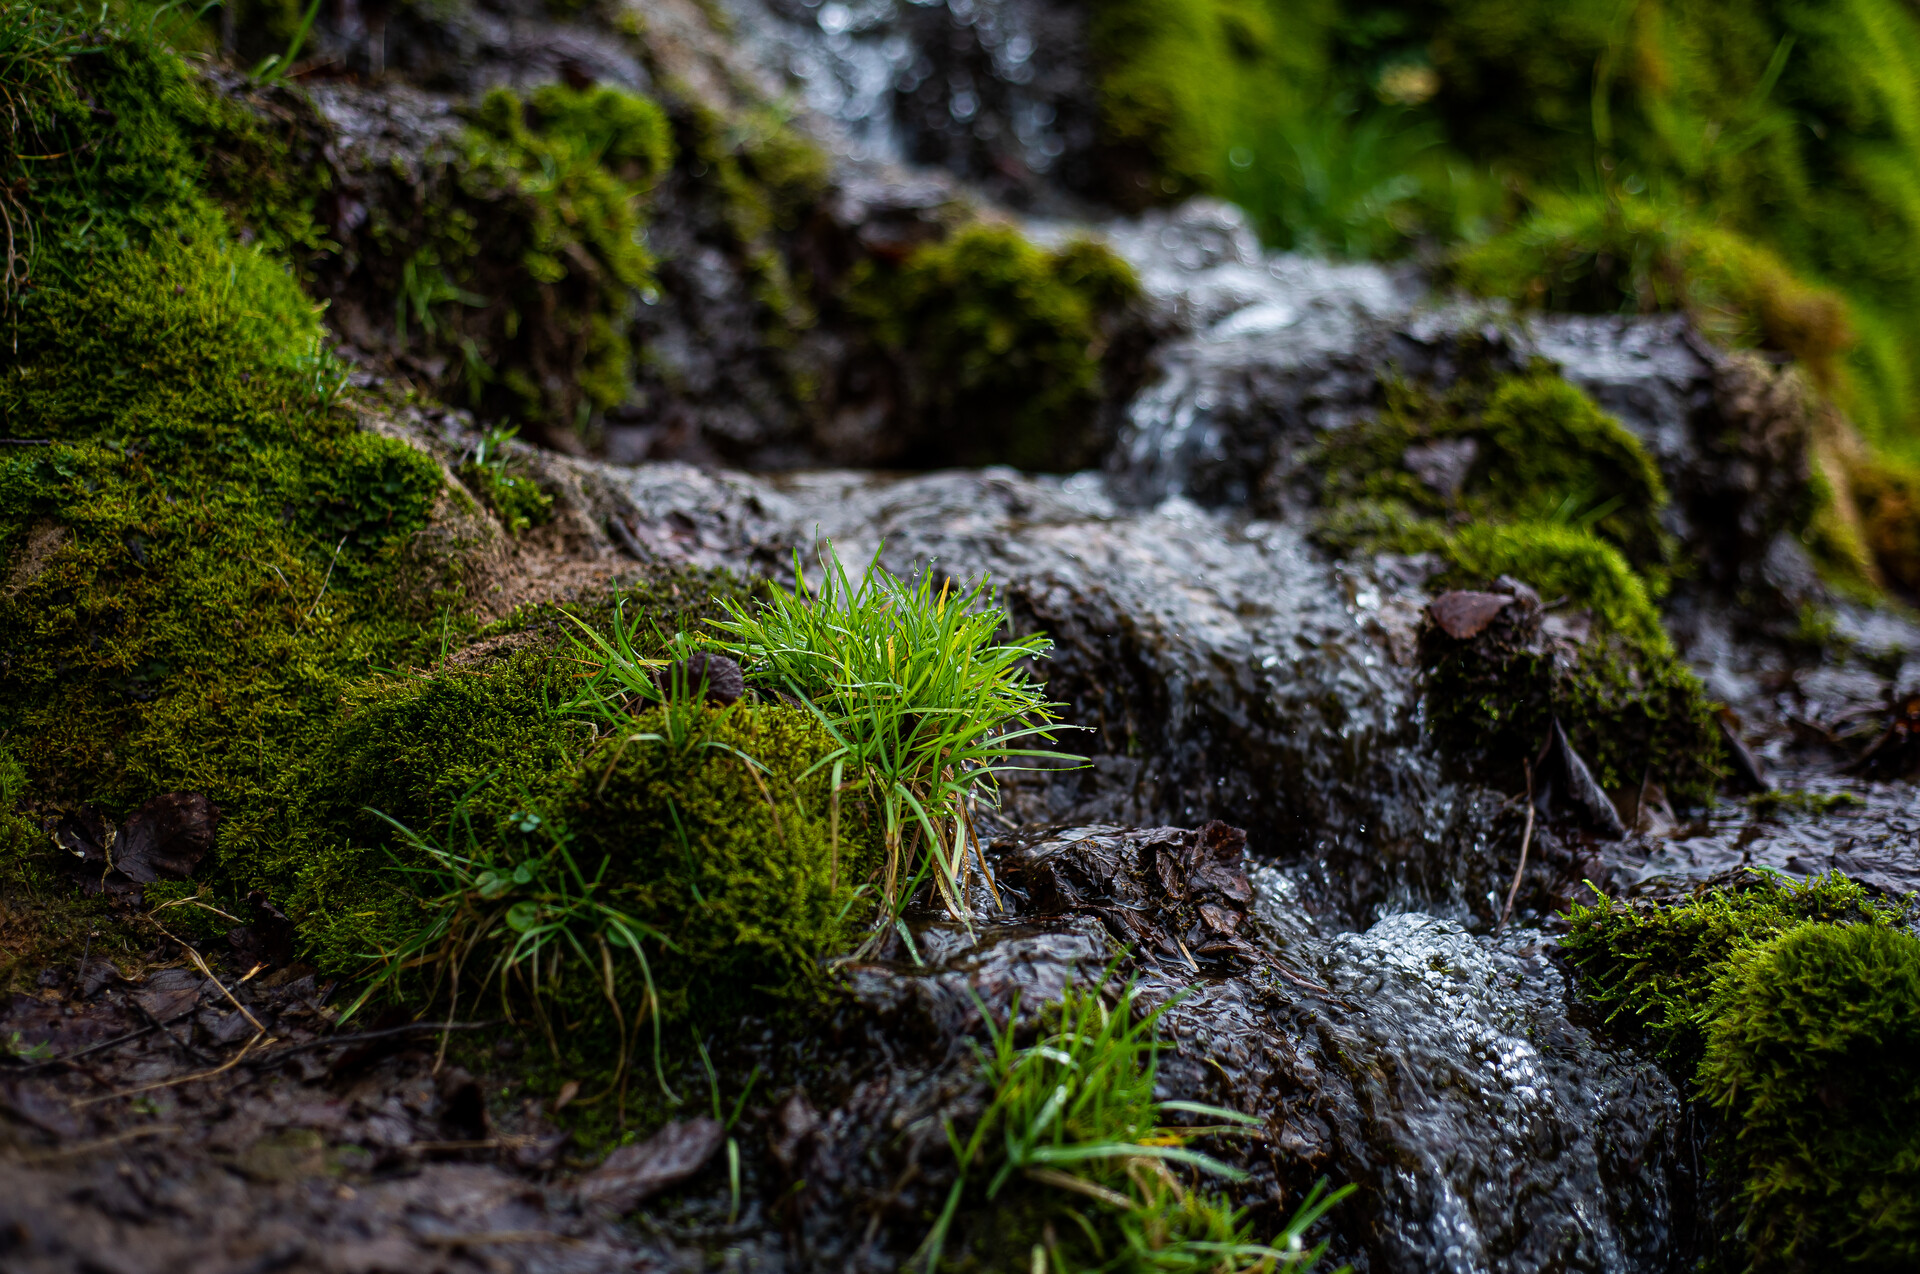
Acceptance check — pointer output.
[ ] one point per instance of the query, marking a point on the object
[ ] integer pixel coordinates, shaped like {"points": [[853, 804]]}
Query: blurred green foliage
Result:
{"points": [[1649, 155]]}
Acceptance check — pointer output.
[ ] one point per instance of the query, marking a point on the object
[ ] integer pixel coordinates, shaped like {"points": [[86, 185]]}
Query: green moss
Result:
{"points": [[1834, 536], [1632, 714], [1813, 1058], [1654, 966], [1816, 804], [1605, 255], [1551, 450], [569, 169], [515, 498], [1000, 343], [209, 552], [1792, 1011], [704, 840], [1561, 561], [1541, 450], [1543, 453], [480, 748], [721, 834]]}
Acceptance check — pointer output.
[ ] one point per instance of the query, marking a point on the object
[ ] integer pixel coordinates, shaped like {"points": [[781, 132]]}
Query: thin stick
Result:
{"points": [[202, 966], [1526, 839], [327, 580], [341, 1041], [182, 1079], [99, 1143]]}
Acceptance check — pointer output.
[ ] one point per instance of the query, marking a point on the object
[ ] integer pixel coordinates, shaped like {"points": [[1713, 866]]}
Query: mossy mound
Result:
{"points": [[1633, 712], [694, 862], [208, 551], [999, 345], [1604, 256], [1813, 1059], [720, 832], [1522, 477], [1793, 1011], [451, 756], [1562, 562], [1526, 447]]}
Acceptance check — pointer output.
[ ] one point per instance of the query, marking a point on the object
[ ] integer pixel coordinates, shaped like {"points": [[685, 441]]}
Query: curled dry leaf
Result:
{"points": [[1463, 614]]}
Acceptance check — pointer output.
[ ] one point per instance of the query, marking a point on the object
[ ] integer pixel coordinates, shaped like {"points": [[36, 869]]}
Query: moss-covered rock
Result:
{"points": [[447, 755], [1633, 711], [511, 264], [999, 345], [208, 550], [1813, 1060], [719, 830], [1791, 1010], [1565, 565], [1527, 447]]}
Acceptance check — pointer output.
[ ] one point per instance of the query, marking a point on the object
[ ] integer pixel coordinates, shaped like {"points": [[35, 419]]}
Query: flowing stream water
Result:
{"points": [[1232, 671]]}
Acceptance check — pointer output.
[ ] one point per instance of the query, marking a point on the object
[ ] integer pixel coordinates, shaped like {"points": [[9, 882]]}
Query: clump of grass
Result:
{"points": [[532, 914], [1074, 1125], [926, 701]]}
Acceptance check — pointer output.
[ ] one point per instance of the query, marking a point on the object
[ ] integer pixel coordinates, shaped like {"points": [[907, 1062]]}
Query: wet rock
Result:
{"points": [[1180, 894], [995, 91], [715, 677]]}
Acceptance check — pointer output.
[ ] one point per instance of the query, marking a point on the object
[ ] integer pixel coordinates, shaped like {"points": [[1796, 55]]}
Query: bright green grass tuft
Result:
{"points": [[926, 701], [1085, 1170]]}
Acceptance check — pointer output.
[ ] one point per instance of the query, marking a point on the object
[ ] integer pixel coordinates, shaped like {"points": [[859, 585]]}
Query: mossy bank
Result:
{"points": [[1789, 1011]]}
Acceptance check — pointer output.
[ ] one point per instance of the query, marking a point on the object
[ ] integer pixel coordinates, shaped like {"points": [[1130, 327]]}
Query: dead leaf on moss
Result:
{"points": [[1463, 614], [166, 837]]}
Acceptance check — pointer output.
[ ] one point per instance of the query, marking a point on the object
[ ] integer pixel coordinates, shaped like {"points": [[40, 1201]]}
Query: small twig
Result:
{"points": [[365, 1037], [1526, 839], [195, 902], [225, 1066], [26, 442], [99, 1143], [193, 1055], [104, 1045], [328, 580], [628, 541], [202, 966]]}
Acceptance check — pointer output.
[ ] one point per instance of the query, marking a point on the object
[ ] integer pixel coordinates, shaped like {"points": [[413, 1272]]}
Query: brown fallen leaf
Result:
{"points": [[168, 836], [1463, 614], [633, 1173]]}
